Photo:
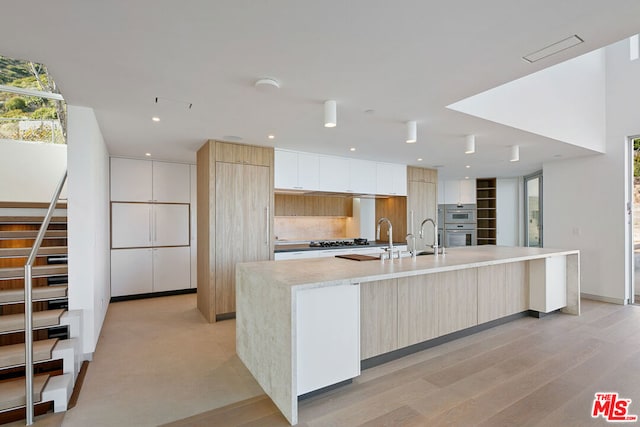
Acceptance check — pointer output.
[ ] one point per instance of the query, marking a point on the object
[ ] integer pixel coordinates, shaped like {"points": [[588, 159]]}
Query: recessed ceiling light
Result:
{"points": [[419, 159], [554, 48], [155, 119], [467, 166], [369, 111], [147, 154], [466, 177], [352, 149], [271, 136]]}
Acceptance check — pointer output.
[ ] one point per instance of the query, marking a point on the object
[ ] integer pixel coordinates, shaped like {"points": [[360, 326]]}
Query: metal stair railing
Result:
{"points": [[28, 302]]}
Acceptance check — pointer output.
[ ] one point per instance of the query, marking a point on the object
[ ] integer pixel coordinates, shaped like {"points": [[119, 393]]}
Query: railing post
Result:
{"points": [[28, 303], [28, 343]]}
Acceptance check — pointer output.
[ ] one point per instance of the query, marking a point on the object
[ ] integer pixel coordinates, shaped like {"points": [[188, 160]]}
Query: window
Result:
{"points": [[31, 108]]}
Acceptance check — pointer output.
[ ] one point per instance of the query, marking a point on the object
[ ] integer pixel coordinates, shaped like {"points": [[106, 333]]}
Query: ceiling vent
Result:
{"points": [[554, 48]]}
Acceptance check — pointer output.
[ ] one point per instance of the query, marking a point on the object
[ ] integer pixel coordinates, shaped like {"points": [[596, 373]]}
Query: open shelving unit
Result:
{"points": [[486, 205]]}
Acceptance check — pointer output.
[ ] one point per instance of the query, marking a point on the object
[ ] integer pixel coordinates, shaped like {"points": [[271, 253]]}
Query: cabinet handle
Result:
{"points": [[155, 229], [150, 225], [268, 225]]}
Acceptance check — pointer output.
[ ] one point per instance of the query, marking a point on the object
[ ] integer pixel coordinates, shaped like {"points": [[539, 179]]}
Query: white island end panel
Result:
{"points": [[327, 336], [548, 284]]}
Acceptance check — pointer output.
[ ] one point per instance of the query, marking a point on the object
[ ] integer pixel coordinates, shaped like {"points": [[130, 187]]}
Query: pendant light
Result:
{"points": [[412, 132], [515, 153], [470, 146], [330, 114]]}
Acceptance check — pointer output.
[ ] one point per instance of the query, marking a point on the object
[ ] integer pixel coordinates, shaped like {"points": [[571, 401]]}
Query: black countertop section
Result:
{"points": [[305, 246]]}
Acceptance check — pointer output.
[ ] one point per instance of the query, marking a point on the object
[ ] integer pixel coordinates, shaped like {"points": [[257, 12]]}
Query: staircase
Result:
{"points": [[56, 331]]}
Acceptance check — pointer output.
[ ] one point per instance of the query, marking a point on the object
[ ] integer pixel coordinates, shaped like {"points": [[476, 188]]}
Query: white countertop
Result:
{"points": [[318, 272]]}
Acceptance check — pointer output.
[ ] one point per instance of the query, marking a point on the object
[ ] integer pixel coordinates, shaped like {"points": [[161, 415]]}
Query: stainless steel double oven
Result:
{"points": [[460, 225]]}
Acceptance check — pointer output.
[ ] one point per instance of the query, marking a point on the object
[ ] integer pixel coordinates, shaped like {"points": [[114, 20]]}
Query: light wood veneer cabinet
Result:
{"points": [[418, 309], [503, 290], [422, 200], [457, 295], [235, 219], [378, 317], [397, 313]]}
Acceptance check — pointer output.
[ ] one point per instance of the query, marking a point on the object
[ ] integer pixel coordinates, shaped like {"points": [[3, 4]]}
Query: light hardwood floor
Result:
{"points": [[541, 372]]}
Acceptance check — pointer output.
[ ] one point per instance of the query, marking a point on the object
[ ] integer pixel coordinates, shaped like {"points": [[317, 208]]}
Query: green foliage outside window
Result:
{"points": [[636, 157], [30, 118]]}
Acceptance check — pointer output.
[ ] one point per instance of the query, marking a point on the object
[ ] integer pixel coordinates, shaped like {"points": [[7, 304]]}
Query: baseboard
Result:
{"points": [[153, 295], [405, 351], [603, 299]]}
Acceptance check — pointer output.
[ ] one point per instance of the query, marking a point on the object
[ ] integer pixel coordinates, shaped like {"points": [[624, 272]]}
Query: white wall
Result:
{"points": [[30, 171], [564, 102], [509, 217], [88, 215], [584, 199]]}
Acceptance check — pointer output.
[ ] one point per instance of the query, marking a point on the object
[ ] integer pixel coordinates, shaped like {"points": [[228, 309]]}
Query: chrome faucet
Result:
{"points": [[435, 234], [412, 246], [389, 233]]}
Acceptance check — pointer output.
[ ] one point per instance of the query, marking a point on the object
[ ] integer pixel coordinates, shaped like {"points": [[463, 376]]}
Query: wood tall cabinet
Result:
{"points": [[235, 217], [422, 200]]}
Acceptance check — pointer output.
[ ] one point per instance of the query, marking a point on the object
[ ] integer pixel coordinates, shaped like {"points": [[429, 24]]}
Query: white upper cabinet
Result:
{"points": [[305, 171], [362, 176], [468, 191], [131, 180], [440, 192], [391, 179], [296, 171], [459, 192], [308, 171], [334, 174], [285, 174], [149, 181], [171, 182]]}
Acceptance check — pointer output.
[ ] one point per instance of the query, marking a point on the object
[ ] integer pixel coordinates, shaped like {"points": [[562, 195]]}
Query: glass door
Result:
{"points": [[533, 209]]}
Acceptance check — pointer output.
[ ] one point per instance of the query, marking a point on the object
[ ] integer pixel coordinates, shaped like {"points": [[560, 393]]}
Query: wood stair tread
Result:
{"points": [[31, 219], [13, 355], [32, 205], [24, 252], [12, 393], [41, 319], [37, 271], [39, 293], [32, 234]]}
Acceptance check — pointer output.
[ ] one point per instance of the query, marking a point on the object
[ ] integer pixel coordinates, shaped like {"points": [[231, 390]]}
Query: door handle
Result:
{"points": [[267, 226]]}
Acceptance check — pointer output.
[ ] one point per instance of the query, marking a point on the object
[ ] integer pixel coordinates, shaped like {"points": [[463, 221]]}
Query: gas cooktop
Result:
{"points": [[337, 243]]}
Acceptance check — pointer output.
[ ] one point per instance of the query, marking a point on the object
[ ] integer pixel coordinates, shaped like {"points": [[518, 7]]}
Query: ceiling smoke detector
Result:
{"points": [[267, 83]]}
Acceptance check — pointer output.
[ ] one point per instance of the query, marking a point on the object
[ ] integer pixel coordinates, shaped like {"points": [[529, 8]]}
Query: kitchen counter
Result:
{"points": [[274, 296]]}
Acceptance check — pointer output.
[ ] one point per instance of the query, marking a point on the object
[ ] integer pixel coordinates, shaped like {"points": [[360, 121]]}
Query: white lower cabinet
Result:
{"points": [[171, 269], [131, 271], [327, 336], [146, 270]]}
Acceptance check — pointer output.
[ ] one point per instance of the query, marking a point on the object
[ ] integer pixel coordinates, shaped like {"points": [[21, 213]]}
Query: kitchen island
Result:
{"points": [[303, 325]]}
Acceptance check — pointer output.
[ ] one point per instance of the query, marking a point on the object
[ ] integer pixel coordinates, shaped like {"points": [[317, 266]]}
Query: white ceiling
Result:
{"points": [[405, 60]]}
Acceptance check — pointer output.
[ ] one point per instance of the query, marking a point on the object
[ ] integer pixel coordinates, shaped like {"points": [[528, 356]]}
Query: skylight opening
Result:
{"points": [[31, 106]]}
